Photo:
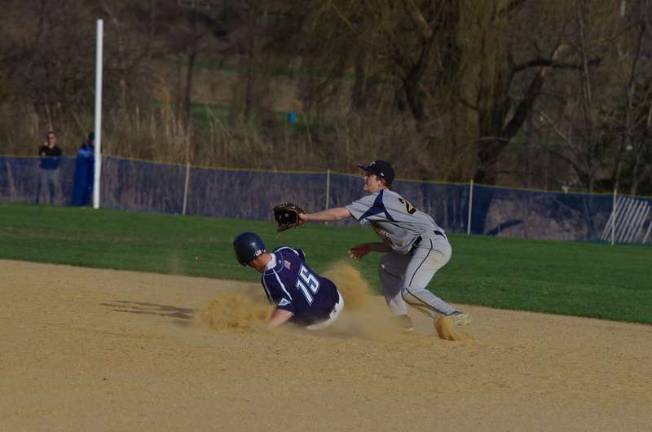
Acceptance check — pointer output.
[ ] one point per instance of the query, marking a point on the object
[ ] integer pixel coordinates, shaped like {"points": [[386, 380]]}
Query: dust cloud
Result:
{"points": [[350, 283], [234, 311]]}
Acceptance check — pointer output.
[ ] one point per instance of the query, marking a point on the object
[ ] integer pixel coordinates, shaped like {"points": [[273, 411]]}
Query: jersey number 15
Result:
{"points": [[308, 284]]}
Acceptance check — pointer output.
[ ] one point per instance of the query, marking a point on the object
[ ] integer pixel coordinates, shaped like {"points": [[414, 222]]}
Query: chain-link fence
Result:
{"points": [[177, 189]]}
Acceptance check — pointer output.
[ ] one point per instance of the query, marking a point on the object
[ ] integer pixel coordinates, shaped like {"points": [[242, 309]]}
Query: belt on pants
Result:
{"points": [[418, 240]]}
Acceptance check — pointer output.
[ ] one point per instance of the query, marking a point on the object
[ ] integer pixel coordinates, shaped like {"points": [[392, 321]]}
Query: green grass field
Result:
{"points": [[584, 279]]}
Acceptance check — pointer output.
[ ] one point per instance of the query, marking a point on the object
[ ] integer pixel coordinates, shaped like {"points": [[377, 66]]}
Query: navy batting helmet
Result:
{"points": [[247, 247]]}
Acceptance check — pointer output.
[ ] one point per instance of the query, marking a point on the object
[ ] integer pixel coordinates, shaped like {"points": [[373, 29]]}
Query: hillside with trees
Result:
{"points": [[537, 94]]}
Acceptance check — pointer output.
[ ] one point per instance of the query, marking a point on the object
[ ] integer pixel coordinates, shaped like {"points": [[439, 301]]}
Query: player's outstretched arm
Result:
{"points": [[332, 214], [279, 317]]}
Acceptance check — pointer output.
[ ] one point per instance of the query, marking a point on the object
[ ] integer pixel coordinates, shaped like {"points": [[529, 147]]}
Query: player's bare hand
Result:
{"points": [[357, 252]]}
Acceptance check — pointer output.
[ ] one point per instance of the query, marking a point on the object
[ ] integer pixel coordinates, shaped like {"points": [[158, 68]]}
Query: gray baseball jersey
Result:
{"points": [[393, 218]]}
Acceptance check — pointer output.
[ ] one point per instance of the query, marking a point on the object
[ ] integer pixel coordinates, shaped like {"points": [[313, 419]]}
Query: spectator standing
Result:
{"points": [[49, 182], [84, 165]]}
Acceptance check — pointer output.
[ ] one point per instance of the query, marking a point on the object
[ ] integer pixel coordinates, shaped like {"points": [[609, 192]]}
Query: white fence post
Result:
{"points": [[613, 218], [185, 189], [468, 223], [98, 114], [328, 188]]}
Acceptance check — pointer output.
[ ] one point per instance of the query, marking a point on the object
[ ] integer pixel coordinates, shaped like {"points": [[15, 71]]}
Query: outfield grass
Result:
{"points": [[584, 279]]}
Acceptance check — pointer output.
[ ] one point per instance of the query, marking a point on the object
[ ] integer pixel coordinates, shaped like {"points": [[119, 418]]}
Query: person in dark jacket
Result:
{"points": [[49, 184], [84, 164]]}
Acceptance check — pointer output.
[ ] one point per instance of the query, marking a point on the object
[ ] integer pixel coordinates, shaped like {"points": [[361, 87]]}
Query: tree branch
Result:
{"points": [[578, 170], [554, 127], [548, 62], [417, 17]]}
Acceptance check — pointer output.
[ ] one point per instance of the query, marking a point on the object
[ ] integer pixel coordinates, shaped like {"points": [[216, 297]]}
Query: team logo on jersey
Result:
{"points": [[284, 302], [287, 265], [408, 205]]}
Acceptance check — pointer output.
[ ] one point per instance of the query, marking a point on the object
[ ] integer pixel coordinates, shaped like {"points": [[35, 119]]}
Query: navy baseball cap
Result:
{"points": [[381, 168]]}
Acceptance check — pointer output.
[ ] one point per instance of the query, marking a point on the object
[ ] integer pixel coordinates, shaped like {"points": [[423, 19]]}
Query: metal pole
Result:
{"points": [[328, 188], [185, 189], [613, 219], [98, 115], [468, 223], [621, 205]]}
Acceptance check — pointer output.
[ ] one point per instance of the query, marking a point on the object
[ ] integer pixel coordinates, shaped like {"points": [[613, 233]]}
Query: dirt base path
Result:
{"points": [[98, 350]]}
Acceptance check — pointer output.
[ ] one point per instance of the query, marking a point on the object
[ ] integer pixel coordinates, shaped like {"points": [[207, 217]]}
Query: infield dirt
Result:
{"points": [[99, 350]]}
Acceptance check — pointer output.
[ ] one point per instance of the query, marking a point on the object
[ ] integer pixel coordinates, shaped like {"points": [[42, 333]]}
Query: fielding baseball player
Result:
{"points": [[415, 247], [301, 296]]}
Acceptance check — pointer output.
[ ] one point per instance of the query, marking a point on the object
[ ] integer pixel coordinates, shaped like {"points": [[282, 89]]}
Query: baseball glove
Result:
{"points": [[287, 216]]}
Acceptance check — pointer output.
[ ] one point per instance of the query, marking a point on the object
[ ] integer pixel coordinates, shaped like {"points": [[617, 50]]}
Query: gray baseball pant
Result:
{"points": [[404, 278]]}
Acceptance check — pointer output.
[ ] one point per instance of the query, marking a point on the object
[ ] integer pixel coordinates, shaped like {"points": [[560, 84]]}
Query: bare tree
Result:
{"points": [[635, 149], [503, 79]]}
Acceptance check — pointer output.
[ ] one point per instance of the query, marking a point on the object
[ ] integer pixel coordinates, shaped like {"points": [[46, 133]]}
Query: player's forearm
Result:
{"points": [[279, 317], [326, 215]]}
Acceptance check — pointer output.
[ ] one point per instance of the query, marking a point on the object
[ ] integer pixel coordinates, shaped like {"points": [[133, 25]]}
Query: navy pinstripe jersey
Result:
{"points": [[293, 286]]}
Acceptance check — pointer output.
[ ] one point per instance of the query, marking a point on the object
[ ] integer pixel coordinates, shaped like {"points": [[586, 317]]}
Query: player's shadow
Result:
{"points": [[144, 308]]}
